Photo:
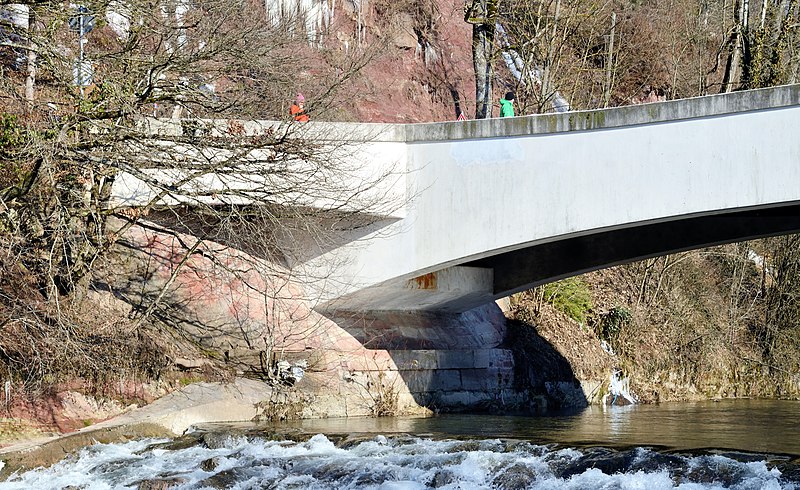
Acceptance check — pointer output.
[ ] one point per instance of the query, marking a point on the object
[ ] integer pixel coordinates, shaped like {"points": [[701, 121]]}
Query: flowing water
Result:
{"points": [[730, 444]]}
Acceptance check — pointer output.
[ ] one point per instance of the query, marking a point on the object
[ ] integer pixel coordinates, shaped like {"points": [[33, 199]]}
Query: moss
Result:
{"points": [[571, 296], [187, 380], [586, 120], [598, 119], [552, 123]]}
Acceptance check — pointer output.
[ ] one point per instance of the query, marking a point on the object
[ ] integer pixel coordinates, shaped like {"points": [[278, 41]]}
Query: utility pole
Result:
{"points": [[82, 23]]}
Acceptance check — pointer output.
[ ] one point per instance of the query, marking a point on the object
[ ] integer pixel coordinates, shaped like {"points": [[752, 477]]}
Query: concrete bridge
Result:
{"points": [[488, 208]]}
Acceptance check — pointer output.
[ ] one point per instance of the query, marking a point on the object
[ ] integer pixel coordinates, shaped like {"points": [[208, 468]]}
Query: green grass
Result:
{"points": [[570, 296]]}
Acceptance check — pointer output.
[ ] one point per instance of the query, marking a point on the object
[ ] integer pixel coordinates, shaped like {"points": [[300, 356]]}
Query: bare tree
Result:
{"points": [[163, 115], [554, 44], [762, 49], [778, 335]]}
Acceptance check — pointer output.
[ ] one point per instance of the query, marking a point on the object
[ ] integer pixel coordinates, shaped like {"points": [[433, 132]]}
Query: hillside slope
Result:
{"points": [[680, 327]]}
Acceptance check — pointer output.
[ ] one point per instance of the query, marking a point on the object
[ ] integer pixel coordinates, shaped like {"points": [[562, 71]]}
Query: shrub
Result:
{"points": [[10, 132], [611, 322], [570, 296]]}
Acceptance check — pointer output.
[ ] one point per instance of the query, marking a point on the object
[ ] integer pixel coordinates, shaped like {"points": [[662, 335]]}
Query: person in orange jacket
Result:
{"points": [[298, 110]]}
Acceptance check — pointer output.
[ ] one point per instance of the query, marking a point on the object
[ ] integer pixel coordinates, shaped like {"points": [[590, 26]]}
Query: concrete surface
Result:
{"points": [[533, 199], [496, 206]]}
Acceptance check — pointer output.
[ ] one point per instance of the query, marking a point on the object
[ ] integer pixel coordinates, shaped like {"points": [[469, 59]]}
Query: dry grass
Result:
{"points": [[690, 334]]}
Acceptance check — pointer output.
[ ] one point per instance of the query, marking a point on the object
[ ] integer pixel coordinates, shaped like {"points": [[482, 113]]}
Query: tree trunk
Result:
{"points": [[482, 40], [482, 14], [734, 58], [30, 79], [610, 61]]}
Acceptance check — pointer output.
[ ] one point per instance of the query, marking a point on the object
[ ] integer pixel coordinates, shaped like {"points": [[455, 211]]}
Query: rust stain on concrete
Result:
{"points": [[425, 281]]}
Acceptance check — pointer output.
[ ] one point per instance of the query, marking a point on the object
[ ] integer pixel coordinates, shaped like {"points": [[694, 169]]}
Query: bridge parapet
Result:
{"points": [[313, 131], [611, 118]]}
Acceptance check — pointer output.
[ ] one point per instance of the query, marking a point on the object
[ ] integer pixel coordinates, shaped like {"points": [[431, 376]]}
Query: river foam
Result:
{"points": [[398, 463]]}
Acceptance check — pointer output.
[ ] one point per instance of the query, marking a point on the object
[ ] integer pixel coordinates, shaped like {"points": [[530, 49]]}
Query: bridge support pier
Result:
{"points": [[452, 289]]}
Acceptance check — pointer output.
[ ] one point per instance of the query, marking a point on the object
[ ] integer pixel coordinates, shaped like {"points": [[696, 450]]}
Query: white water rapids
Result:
{"points": [[397, 462]]}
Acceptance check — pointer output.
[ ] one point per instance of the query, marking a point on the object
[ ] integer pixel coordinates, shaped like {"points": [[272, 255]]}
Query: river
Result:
{"points": [[743, 444]]}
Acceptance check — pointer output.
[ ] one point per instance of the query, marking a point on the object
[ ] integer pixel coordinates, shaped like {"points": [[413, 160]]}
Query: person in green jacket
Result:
{"points": [[507, 105]]}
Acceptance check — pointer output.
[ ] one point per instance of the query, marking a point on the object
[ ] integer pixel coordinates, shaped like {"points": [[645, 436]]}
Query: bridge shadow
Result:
{"points": [[206, 301], [542, 369], [279, 234], [476, 361], [193, 330]]}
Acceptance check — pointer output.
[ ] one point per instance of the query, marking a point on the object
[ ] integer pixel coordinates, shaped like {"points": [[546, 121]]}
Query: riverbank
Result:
{"points": [[390, 364], [168, 416], [241, 400], [683, 327]]}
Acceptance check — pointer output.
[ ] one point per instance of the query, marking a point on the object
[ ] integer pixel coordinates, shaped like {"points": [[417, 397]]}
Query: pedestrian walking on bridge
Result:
{"points": [[298, 109], [507, 105]]}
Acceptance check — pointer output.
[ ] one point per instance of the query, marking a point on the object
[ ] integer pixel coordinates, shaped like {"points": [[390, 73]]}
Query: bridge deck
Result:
{"points": [[484, 208]]}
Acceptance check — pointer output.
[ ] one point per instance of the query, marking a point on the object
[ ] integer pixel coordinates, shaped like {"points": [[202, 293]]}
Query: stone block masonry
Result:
{"points": [[463, 375]]}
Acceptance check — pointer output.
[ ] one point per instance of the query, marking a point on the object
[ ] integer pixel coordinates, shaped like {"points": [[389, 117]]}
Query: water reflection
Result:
{"points": [[748, 425]]}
